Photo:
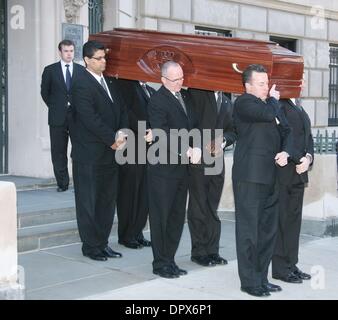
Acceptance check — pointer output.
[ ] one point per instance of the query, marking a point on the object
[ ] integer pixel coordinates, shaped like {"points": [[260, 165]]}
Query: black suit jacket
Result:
{"points": [[259, 139], [96, 120], [165, 112], [54, 91], [205, 110], [300, 124], [136, 101]]}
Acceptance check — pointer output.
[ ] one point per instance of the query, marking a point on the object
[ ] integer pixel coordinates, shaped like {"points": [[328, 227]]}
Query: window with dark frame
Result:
{"points": [[288, 43], [95, 8], [206, 31], [333, 86]]}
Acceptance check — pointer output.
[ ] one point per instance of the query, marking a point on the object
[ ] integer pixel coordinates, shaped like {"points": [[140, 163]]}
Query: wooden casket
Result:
{"points": [[208, 62]]}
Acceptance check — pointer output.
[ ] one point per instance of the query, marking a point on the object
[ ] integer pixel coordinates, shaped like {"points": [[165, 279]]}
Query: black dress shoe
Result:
{"points": [[270, 287], [110, 253], [96, 256], [290, 278], [165, 272], [144, 242], [59, 189], [204, 261], [217, 259], [132, 244], [301, 275], [178, 271], [256, 291]]}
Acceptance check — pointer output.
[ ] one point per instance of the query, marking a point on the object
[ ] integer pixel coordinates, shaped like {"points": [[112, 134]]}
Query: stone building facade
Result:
{"points": [[34, 28]]}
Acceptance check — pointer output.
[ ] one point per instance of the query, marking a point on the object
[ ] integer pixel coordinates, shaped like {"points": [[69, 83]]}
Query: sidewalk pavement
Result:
{"points": [[63, 273]]}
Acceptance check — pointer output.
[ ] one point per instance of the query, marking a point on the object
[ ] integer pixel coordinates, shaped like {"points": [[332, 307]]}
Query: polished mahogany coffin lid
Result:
{"points": [[212, 63]]}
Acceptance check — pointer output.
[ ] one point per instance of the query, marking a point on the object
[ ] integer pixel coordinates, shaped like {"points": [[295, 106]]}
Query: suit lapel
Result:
{"points": [[213, 112], [151, 90], [223, 106], [174, 100], [307, 126], [141, 92], [100, 88], [60, 75], [305, 120], [75, 75], [112, 90], [187, 106]]}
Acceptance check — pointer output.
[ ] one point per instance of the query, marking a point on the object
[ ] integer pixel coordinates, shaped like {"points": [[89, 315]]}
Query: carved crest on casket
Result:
{"points": [[153, 59]]}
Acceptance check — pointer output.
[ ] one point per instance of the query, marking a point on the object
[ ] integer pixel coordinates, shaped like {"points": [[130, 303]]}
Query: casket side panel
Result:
{"points": [[211, 63]]}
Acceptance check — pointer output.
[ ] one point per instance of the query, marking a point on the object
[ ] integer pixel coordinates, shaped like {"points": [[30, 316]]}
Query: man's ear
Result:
{"points": [[86, 60], [247, 86]]}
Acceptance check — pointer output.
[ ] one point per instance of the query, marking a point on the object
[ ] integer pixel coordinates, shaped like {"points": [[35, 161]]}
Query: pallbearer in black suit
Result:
{"points": [[213, 111], [99, 115], [132, 201], [292, 180], [262, 144], [57, 82], [169, 110]]}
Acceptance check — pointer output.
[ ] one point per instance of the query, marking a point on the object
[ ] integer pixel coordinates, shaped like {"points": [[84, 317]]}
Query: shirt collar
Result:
{"points": [[98, 78], [64, 64]]}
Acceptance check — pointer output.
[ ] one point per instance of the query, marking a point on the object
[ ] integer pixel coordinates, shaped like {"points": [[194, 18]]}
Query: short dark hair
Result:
{"points": [[247, 73], [90, 47], [67, 43]]}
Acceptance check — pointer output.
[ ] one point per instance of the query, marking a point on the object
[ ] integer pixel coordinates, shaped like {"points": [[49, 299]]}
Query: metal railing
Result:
{"points": [[95, 13], [325, 142]]}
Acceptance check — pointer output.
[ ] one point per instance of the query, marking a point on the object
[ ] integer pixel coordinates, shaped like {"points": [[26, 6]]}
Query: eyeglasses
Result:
{"points": [[99, 58], [175, 80]]}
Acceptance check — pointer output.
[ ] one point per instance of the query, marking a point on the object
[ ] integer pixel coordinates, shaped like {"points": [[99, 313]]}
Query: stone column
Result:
{"points": [[9, 288], [32, 41]]}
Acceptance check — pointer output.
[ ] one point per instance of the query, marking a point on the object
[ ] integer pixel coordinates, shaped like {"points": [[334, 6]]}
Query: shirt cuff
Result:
{"points": [[310, 157], [224, 143]]}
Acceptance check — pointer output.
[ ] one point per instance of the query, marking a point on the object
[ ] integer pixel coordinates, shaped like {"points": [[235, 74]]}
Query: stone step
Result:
{"points": [[29, 183], [47, 236], [51, 236], [43, 217]]}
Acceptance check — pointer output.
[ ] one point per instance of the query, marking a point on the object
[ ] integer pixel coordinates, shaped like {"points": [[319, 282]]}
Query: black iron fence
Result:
{"points": [[325, 142], [95, 13]]}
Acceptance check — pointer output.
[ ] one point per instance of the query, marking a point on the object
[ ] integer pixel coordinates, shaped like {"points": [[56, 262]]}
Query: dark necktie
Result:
{"points": [[68, 77], [103, 84], [180, 99], [298, 103], [144, 87], [219, 100]]}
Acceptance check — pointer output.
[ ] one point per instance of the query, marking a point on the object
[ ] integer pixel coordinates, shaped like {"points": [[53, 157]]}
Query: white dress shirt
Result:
{"points": [[64, 68], [98, 78]]}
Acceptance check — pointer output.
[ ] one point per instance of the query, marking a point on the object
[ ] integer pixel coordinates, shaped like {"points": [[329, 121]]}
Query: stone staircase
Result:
{"points": [[47, 228], [46, 218]]}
